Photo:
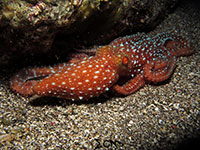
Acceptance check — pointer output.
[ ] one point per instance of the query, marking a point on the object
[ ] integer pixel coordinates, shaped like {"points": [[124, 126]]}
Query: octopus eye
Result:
{"points": [[125, 60]]}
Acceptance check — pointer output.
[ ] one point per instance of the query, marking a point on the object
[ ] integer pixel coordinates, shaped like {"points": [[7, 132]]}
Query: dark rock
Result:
{"points": [[31, 28]]}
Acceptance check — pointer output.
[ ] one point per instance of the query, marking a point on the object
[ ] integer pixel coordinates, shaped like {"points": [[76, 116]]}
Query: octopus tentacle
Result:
{"points": [[131, 86], [159, 70], [177, 48], [22, 82], [76, 57], [91, 51]]}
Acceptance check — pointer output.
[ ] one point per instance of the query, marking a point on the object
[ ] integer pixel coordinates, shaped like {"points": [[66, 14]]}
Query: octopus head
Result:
{"points": [[124, 63]]}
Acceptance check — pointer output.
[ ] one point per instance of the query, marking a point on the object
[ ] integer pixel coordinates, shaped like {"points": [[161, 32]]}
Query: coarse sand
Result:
{"points": [[156, 117]]}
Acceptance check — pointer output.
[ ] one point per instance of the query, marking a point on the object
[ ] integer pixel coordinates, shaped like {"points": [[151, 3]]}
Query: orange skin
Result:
{"points": [[142, 57]]}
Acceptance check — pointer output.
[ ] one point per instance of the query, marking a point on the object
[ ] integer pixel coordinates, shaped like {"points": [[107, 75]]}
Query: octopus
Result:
{"points": [[138, 59]]}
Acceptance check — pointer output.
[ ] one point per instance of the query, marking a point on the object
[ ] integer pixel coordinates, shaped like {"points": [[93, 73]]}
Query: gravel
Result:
{"points": [[156, 117]]}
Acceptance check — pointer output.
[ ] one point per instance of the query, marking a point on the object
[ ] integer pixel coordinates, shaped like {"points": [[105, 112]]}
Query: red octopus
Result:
{"points": [[141, 57]]}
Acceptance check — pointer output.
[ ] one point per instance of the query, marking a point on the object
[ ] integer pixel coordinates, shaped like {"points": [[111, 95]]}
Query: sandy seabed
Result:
{"points": [[156, 117]]}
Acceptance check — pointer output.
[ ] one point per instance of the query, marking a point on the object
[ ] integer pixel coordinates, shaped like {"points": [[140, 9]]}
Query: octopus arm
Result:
{"points": [[131, 86], [159, 69], [23, 81]]}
